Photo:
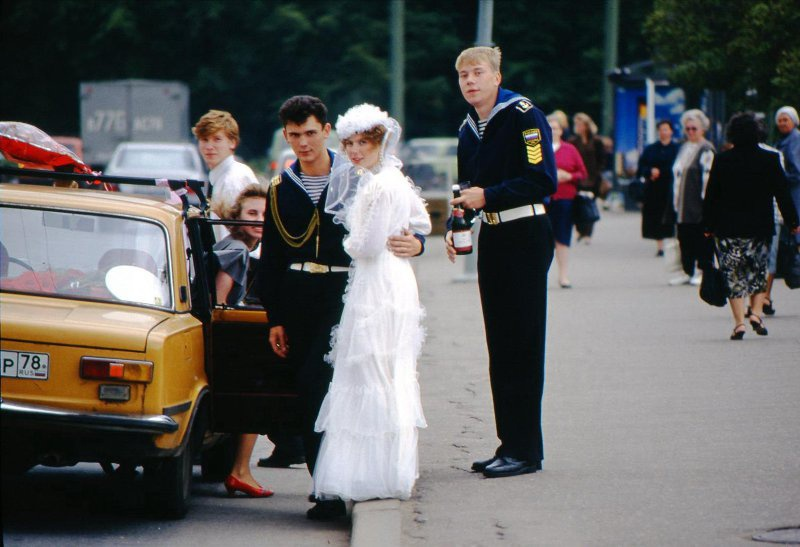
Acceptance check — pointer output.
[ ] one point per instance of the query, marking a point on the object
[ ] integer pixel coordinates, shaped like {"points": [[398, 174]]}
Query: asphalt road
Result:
{"points": [[82, 506]]}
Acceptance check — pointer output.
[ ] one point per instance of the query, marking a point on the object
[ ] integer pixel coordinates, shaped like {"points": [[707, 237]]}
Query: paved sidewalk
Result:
{"points": [[658, 429]]}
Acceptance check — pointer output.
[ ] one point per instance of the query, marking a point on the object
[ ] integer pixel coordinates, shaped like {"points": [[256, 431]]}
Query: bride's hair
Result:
{"points": [[373, 135]]}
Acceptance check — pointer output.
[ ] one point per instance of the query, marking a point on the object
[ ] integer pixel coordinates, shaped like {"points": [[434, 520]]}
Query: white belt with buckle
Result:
{"points": [[513, 214], [313, 267]]}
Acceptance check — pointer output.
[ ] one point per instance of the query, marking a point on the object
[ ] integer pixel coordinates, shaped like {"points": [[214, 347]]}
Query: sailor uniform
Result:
{"points": [[302, 279], [513, 162]]}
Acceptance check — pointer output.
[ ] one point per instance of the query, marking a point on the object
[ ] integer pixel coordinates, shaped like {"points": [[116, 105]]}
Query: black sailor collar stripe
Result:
{"points": [[472, 117], [293, 172]]}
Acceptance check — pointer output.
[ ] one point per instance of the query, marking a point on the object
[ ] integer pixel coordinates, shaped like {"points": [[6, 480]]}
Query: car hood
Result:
{"points": [[87, 324]]}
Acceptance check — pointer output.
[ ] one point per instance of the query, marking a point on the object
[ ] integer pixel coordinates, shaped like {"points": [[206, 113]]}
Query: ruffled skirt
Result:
{"points": [[372, 411]]}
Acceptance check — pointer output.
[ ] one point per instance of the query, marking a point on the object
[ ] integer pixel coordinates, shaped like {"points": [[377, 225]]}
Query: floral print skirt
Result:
{"points": [[743, 262]]}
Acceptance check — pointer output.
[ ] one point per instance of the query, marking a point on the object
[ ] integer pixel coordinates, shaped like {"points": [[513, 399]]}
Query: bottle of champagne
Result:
{"points": [[462, 232]]}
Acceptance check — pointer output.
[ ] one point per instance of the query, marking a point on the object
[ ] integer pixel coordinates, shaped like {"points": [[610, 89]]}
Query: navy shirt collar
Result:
{"points": [[504, 98]]}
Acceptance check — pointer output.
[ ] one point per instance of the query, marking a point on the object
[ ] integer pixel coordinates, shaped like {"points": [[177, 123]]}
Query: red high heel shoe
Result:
{"points": [[233, 485]]}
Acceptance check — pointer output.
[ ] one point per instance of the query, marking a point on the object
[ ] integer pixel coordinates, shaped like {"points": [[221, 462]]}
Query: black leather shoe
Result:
{"points": [[480, 465], [281, 461], [510, 467], [327, 510]]}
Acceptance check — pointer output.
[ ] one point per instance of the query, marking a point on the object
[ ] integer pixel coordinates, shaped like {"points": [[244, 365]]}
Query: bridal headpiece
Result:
{"points": [[345, 177]]}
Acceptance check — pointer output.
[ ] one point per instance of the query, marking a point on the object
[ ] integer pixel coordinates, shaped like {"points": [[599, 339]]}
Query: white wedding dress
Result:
{"points": [[372, 411]]}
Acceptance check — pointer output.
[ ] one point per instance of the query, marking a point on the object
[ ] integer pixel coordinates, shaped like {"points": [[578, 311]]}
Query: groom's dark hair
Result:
{"points": [[299, 108]]}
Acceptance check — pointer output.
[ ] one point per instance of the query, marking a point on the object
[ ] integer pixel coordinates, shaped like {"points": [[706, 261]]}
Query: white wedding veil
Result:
{"points": [[346, 177]]}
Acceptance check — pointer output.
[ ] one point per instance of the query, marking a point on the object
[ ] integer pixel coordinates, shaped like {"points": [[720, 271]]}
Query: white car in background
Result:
{"points": [[160, 160]]}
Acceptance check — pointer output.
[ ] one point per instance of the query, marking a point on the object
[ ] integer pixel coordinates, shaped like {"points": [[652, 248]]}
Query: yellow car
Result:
{"points": [[111, 349]]}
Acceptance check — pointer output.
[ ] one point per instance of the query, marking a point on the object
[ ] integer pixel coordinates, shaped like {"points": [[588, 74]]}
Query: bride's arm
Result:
{"points": [[370, 222]]}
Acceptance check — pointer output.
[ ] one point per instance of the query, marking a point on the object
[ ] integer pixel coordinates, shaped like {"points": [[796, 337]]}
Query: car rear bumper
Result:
{"points": [[18, 414], [46, 435]]}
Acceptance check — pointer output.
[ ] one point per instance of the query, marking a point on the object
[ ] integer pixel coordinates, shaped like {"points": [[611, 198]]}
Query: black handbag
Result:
{"points": [[584, 209], [792, 274], [713, 287], [788, 266]]}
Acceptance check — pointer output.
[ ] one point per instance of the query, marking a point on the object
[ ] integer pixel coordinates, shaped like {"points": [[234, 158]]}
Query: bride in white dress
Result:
{"points": [[371, 414]]}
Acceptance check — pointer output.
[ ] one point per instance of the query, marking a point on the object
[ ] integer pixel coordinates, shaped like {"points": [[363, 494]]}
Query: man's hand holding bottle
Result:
{"points": [[458, 240]]}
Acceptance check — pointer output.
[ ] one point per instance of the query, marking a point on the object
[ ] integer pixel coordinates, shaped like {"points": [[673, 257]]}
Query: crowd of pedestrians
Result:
{"points": [[730, 208]]}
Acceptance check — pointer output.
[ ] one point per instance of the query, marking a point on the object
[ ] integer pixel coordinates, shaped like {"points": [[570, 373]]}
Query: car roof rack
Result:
{"points": [[180, 187]]}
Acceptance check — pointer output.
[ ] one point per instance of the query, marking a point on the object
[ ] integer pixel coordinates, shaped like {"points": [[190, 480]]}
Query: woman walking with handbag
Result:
{"points": [[571, 172], [593, 154], [738, 213]]}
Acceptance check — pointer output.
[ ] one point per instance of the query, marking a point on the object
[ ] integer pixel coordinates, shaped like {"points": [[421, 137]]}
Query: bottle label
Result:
{"points": [[462, 240]]}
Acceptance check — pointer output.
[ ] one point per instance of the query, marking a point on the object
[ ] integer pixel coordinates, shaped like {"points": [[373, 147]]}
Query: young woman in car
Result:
{"points": [[232, 256]]}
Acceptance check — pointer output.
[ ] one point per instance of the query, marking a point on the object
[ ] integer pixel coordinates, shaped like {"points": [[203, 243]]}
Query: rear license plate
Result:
{"points": [[24, 364]]}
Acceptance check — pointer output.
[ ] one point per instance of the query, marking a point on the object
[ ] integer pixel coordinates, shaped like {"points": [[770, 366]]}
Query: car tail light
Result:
{"points": [[103, 368]]}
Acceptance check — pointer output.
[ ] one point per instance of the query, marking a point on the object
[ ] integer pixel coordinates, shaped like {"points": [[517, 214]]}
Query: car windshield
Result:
{"points": [[161, 158], [85, 256]]}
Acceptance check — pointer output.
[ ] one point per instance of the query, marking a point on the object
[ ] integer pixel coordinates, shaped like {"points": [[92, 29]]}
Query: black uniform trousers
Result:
{"points": [[313, 304], [513, 260]]}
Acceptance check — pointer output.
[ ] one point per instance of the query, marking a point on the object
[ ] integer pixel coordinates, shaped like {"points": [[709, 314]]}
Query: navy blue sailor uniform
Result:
{"points": [[513, 162], [303, 275]]}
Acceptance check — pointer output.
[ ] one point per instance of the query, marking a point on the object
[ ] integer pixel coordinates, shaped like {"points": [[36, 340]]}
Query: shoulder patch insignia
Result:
{"points": [[524, 106], [276, 180], [532, 136]]}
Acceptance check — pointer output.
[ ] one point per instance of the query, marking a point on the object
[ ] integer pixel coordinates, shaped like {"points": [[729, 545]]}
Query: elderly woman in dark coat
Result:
{"points": [[738, 212], [655, 171]]}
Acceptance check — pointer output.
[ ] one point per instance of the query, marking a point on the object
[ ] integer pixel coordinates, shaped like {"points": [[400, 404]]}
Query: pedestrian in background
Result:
{"points": [[593, 154], [563, 122], [655, 172], [690, 176], [505, 155], [571, 172], [789, 146], [738, 211]]}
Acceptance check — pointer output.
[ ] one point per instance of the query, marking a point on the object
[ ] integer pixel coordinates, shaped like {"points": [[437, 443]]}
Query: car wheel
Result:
{"points": [[168, 485], [217, 462]]}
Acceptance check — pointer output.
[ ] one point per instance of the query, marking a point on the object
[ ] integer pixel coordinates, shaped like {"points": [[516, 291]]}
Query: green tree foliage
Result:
{"points": [[248, 56], [750, 49]]}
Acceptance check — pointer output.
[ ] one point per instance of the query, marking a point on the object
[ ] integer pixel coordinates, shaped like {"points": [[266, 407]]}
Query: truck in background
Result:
{"points": [[116, 111]]}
